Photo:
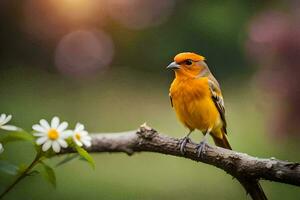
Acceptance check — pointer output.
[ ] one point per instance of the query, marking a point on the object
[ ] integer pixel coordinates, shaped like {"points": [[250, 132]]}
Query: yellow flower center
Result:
{"points": [[77, 136], [52, 134]]}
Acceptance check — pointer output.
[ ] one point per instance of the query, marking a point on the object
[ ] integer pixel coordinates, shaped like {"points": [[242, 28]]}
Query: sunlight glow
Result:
{"points": [[84, 52]]}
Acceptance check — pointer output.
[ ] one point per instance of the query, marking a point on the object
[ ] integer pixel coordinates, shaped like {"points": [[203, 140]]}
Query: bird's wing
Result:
{"points": [[171, 100], [217, 98]]}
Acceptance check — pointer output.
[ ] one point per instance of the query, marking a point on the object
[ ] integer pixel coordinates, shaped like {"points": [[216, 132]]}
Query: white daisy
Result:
{"points": [[4, 120], [1, 148], [81, 136], [53, 134]]}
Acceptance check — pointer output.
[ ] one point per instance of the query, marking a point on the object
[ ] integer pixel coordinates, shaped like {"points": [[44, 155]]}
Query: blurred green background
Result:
{"points": [[103, 63]]}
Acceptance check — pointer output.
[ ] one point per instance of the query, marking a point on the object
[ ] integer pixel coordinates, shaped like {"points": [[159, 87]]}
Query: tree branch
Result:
{"points": [[243, 167]]}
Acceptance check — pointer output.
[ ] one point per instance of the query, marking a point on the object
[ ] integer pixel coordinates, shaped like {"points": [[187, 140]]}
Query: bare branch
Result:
{"points": [[243, 167]]}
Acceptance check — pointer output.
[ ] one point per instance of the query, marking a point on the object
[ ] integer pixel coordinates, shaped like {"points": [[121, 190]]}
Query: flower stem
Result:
{"points": [[21, 176]]}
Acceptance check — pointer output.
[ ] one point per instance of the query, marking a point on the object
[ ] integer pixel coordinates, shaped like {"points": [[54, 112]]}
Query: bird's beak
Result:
{"points": [[173, 65]]}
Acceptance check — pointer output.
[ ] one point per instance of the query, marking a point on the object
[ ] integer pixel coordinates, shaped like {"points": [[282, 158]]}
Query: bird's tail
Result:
{"points": [[220, 139]]}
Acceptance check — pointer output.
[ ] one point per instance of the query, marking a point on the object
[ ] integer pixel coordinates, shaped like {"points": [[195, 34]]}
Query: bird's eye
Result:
{"points": [[188, 62]]}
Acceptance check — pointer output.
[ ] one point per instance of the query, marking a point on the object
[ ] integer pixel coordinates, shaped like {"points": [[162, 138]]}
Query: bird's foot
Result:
{"points": [[200, 148], [183, 143]]}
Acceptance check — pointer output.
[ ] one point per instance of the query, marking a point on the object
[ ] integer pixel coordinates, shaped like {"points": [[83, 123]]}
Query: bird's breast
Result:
{"points": [[193, 104]]}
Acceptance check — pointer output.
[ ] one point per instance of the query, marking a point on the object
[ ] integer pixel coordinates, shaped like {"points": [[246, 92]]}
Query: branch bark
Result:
{"points": [[243, 167]]}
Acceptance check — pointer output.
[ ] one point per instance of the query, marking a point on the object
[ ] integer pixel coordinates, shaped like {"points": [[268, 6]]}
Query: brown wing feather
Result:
{"points": [[218, 99], [171, 101]]}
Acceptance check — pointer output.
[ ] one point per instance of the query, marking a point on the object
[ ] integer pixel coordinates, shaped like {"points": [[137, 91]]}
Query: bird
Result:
{"points": [[197, 99]]}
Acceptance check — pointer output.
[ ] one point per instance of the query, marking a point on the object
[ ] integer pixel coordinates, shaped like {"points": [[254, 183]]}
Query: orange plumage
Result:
{"points": [[197, 99]]}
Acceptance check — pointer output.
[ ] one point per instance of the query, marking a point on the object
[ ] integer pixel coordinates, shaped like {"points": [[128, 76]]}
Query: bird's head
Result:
{"points": [[188, 64]]}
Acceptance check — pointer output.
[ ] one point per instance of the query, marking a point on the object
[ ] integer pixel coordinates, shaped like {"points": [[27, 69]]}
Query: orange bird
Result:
{"points": [[196, 97]]}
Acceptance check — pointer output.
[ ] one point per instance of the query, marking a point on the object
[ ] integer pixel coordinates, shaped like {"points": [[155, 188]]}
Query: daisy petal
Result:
{"points": [[44, 124], [10, 128], [84, 133], [55, 146], [54, 122], [78, 142], [39, 134], [41, 140], [62, 126], [38, 128], [86, 137], [79, 127], [2, 118], [62, 143], [66, 134], [89, 138], [7, 119], [87, 143], [46, 145], [1, 148]]}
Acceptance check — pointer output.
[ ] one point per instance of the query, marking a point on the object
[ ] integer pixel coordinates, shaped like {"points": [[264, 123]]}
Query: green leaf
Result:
{"points": [[84, 154], [33, 173], [22, 167], [8, 168], [66, 159], [49, 174], [17, 136]]}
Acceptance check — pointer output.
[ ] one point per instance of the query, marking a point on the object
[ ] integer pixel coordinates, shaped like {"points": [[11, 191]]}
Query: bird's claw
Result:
{"points": [[183, 143], [200, 148]]}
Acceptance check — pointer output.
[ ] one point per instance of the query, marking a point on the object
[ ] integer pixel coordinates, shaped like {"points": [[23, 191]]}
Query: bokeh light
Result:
{"points": [[50, 19], [136, 14], [275, 45], [79, 11], [84, 52]]}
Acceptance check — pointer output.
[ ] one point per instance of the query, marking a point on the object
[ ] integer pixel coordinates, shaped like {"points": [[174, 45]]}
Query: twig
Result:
{"points": [[22, 175]]}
